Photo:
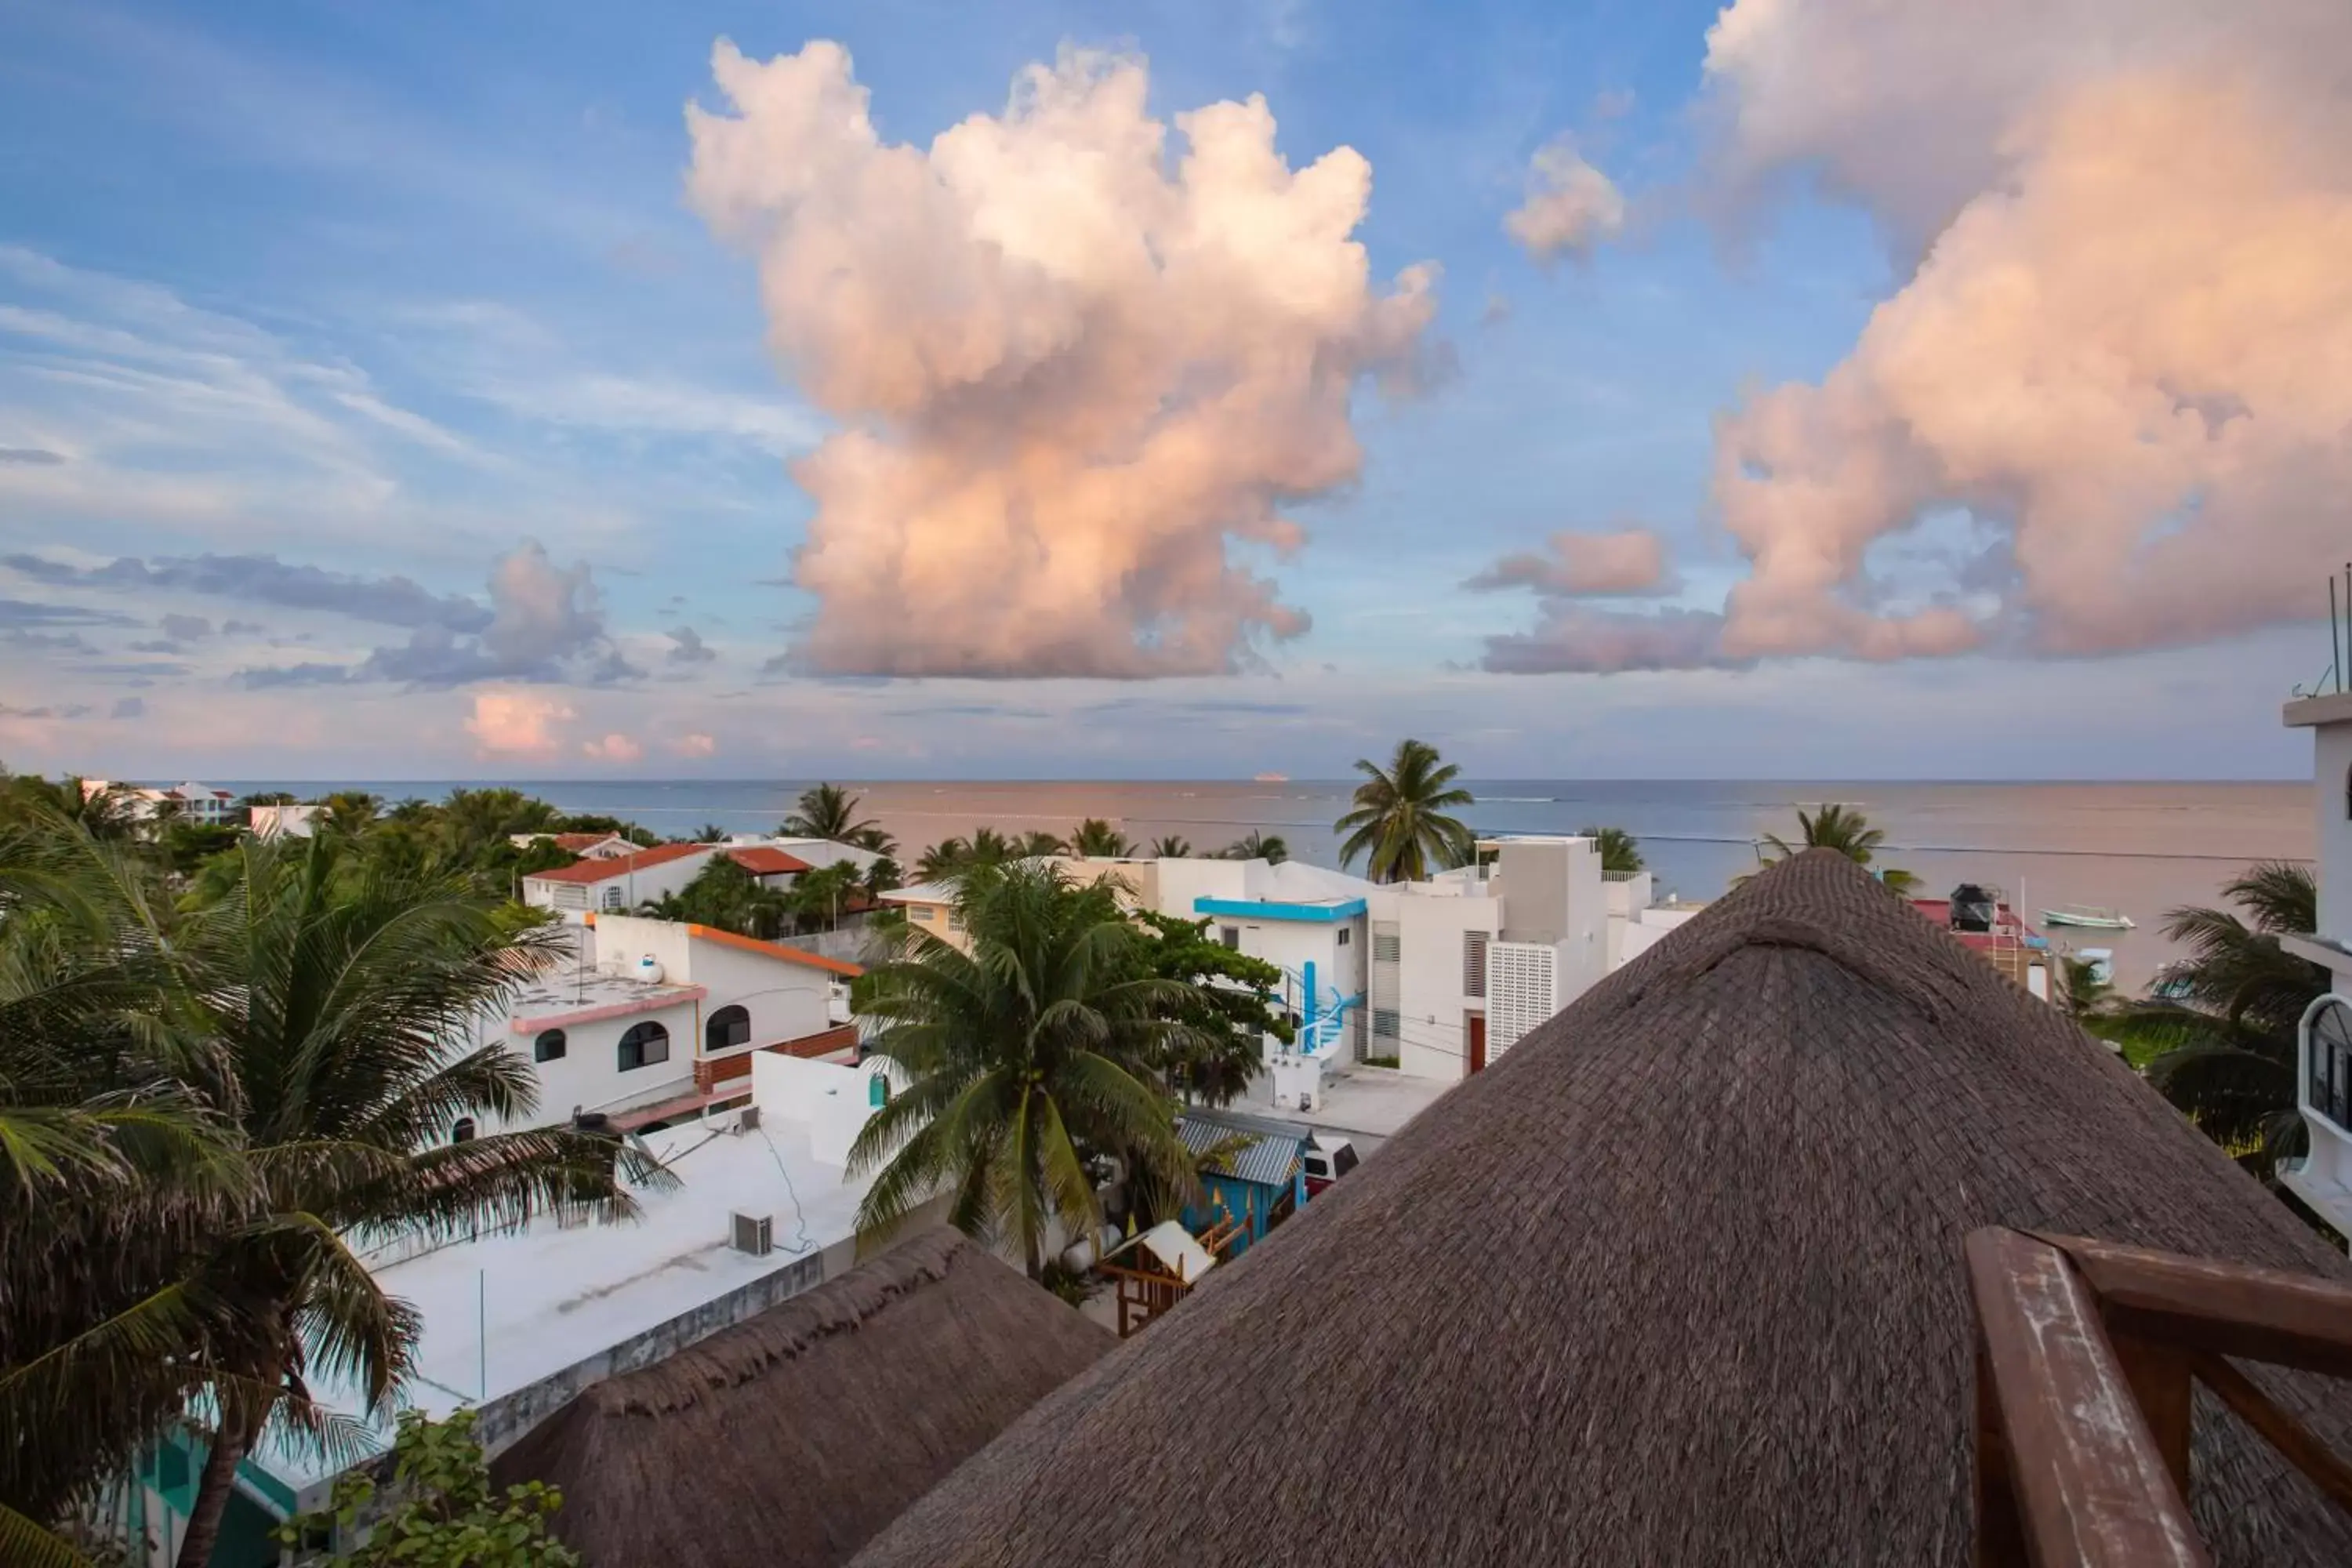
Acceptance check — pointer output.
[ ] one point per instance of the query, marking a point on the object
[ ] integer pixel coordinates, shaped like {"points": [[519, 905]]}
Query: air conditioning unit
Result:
{"points": [[754, 1236], [747, 1119]]}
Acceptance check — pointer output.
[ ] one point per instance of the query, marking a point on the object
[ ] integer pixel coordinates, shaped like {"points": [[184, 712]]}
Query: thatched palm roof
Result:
{"points": [[1679, 1280], [789, 1439]]}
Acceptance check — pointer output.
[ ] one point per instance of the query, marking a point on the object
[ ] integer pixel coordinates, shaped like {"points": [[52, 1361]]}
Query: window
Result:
{"points": [[549, 1047], [1343, 938], [643, 1046], [877, 1091], [1231, 936], [1385, 947], [728, 1027], [464, 1131], [955, 919], [1473, 964], [612, 899], [1387, 1023], [919, 912]]}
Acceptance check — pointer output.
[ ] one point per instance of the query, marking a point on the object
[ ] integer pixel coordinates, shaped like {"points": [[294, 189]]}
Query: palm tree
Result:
{"points": [[829, 811], [1037, 841], [351, 812], [818, 894], [1098, 840], [1172, 846], [1016, 1056], [2221, 1037], [709, 833], [990, 847], [1256, 846], [1619, 850], [943, 860], [1399, 824], [1844, 829], [329, 1000]]}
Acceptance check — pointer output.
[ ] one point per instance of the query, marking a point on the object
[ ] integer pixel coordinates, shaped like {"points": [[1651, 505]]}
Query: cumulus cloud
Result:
{"points": [[613, 747], [1069, 376], [697, 745], [544, 623], [688, 647], [2127, 342], [1570, 206], [518, 724], [185, 628], [1630, 561]]}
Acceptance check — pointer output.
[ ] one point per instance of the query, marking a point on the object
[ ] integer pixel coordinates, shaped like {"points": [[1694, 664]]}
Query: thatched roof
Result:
{"points": [[789, 1439], [1679, 1280]]}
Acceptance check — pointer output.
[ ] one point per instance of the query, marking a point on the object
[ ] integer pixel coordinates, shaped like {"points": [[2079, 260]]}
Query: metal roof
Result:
{"points": [[1268, 1160]]}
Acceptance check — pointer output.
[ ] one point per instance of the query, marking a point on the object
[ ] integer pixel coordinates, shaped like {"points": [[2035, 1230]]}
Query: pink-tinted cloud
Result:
{"points": [[1068, 375], [1570, 206], [1628, 561], [695, 745], [507, 723], [2126, 345], [1573, 637], [613, 747]]}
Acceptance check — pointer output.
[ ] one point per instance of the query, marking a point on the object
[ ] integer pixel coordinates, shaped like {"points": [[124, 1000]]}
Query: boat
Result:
{"points": [[2086, 915]]}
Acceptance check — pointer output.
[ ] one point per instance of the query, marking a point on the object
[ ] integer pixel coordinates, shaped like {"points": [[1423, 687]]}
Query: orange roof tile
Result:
{"points": [[594, 872], [766, 860], [777, 950]]}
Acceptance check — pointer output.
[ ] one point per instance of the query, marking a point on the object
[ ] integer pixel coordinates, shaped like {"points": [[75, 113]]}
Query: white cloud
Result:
{"points": [[1070, 378], [528, 724], [613, 747], [693, 745], [1570, 206]]}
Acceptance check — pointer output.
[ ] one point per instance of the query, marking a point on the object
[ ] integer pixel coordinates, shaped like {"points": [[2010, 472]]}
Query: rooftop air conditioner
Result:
{"points": [[754, 1236], [747, 1119]]}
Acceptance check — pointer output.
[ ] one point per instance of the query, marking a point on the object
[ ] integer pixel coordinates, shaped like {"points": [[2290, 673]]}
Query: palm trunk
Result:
{"points": [[229, 1446]]}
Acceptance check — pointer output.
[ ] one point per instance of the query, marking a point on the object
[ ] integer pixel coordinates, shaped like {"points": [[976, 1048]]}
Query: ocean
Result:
{"points": [[2139, 847]]}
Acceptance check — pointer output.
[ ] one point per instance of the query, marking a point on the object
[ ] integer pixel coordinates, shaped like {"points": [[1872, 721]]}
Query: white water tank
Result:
{"points": [[649, 970]]}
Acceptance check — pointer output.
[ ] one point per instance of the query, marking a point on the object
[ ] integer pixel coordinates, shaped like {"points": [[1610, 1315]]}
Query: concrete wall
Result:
{"points": [[787, 1000], [588, 1075], [634, 888], [1645, 929], [834, 1102], [2331, 778], [1431, 920]]}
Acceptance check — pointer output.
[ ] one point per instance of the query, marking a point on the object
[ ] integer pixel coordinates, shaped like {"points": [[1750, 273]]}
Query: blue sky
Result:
{"points": [[314, 320]]}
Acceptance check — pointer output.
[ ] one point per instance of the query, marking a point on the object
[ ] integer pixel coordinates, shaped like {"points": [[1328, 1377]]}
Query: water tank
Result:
{"points": [[648, 969], [1973, 909]]}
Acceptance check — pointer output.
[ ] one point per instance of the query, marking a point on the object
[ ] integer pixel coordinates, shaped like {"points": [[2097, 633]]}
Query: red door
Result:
{"points": [[1475, 1032]]}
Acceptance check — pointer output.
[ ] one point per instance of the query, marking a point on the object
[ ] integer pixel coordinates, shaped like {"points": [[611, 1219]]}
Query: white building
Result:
{"points": [[621, 882], [191, 802], [1636, 919], [2322, 1178], [586, 846], [290, 821], [658, 1021], [517, 1323]]}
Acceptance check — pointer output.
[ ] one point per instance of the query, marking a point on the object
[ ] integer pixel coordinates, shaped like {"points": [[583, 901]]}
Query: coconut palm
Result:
{"points": [[1399, 823], [1037, 841], [1170, 846], [2221, 1037], [347, 811], [943, 860], [1619, 850], [1038, 1041], [829, 811], [1256, 846], [818, 895], [1099, 839], [329, 1001], [1844, 829]]}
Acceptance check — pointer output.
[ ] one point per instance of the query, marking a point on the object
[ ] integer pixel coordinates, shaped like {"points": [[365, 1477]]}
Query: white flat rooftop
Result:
{"points": [[505, 1311], [1366, 1102], [574, 989]]}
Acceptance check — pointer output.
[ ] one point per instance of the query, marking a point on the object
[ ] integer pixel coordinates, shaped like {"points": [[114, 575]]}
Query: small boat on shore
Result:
{"points": [[2086, 915]]}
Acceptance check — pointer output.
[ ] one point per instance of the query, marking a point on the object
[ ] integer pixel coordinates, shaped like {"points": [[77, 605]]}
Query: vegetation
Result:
{"points": [[1099, 839], [1619, 850], [1256, 846], [829, 811], [725, 897], [1170, 846], [1400, 823], [203, 1111], [1844, 829], [1044, 1045], [1222, 1009], [444, 1516], [2220, 1038]]}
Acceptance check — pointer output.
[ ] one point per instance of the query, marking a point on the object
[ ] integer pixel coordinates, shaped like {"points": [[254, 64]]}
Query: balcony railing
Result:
{"points": [[2338, 677], [2085, 1356]]}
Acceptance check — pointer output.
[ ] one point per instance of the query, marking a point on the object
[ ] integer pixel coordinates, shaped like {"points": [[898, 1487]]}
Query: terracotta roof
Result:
{"points": [[576, 842], [1676, 1281], [619, 866], [766, 860], [778, 950]]}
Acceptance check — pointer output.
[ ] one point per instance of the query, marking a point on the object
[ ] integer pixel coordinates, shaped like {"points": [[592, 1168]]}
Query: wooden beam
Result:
{"points": [[2223, 1308], [2300, 1445], [2158, 1375], [2092, 1488], [2000, 1528]]}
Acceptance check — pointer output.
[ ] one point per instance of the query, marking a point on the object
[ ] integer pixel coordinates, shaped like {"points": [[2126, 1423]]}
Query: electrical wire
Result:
{"points": [[800, 1215]]}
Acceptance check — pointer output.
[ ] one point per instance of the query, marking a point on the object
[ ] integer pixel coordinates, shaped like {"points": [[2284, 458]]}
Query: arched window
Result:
{"points": [[728, 1027], [549, 1047], [643, 1046], [464, 1131]]}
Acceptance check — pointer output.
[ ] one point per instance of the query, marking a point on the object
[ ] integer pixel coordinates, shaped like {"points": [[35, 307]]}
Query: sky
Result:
{"points": [[1795, 388]]}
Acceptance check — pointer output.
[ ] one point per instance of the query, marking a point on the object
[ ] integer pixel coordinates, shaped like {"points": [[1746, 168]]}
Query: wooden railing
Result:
{"points": [[2085, 1356]]}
